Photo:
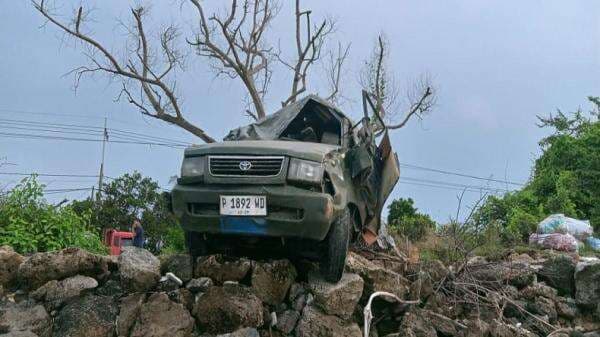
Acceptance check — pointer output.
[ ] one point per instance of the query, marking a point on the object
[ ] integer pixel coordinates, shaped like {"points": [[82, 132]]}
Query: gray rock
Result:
{"points": [[592, 334], [226, 309], [315, 323], [376, 278], [26, 333], [198, 285], [587, 283], [339, 298], [272, 280], [160, 316], [23, 317], [287, 320], [245, 332], [567, 308], [9, 265], [178, 264], [139, 269], [87, 316], [221, 268], [500, 329], [538, 289], [43, 267], [56, 293], [182, 296], [559, 272], [128, 313]]}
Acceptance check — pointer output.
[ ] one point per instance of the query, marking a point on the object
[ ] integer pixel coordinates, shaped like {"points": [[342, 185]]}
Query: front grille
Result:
{"points": [[245, 166]]}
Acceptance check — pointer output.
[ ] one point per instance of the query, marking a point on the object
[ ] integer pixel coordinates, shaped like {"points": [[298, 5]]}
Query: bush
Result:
{"points": [[404, 219], [29, 224]]}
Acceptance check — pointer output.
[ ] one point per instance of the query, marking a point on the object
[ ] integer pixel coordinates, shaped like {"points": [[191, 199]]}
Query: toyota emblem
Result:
{"points": [[245, 165]]}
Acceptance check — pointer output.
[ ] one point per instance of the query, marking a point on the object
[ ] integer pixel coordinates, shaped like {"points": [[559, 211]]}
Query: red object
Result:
{"points": [[116, 240]]}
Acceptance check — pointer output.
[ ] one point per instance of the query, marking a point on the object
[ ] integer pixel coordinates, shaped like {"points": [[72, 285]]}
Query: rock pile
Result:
{"points": [[74, 293]]}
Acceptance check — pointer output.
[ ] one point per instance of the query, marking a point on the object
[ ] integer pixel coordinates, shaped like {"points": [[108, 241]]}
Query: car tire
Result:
{"points": [[196, 246], [333, 259]]}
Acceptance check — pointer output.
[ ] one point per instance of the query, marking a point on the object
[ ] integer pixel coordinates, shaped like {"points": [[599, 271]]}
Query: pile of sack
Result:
{"points": [[562, 233]]}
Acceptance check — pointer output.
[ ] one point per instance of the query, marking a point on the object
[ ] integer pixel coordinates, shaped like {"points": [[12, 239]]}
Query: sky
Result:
{"points": [[496, 65]]}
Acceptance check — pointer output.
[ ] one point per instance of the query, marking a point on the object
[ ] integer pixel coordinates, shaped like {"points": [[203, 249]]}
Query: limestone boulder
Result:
{"points": [[23, 318], [227, 309], [129, 310], [559, 272], [56, 293], [221, 268], [57, 265], [339, 298], [139, 269], [87, 316], [376, 278], [315, 323], [178, 264], [9, 266], [272, 280], [587, 283], [160, 316]]}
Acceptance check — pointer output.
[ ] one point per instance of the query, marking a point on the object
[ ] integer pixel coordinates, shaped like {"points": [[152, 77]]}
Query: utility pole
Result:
{"points": [[101, 175]]}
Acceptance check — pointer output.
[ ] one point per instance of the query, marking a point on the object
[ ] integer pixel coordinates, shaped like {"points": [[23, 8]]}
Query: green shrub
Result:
{"points": [[404, 219], [29, 224]]}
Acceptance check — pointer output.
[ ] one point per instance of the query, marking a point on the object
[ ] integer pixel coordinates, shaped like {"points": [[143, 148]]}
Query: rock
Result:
{"points": [[87, 316], [166, 285], [245, 332], [55, 293], [178, 264], [415, 325], [314, 323], [272, 280], [376, 278], [226, 309], [538, 289], [26, 333], [339, 298], [9, 266], [221, 268], [182, 296], [499, 329], [160, 316], [112, 288], [518, 274], [592, 334], [587, 283], [140, 270], [443, 325], [567, 308], [128, 313], [559, 272], [544, 307], [24, 317], [57, 265], [297, 296], [287, 320], [198, 285]]}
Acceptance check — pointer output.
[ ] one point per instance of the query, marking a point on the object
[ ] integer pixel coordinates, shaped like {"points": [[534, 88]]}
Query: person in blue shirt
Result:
{"points": [[138, 230]]}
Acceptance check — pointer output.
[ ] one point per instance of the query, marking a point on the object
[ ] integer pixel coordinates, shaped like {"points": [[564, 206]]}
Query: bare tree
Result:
{"points": [[334, 69], [379, 82], [308, 50], [235, 44], [142, 68]]}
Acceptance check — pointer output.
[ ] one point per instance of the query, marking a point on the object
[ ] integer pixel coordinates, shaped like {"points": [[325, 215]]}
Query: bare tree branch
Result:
{"points": [[334, 71], [235, 44], [308, 52], [421, 101], [137, 69]]}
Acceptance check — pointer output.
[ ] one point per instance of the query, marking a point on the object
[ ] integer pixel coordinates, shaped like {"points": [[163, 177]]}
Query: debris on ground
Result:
{"points": [[75, 293]]}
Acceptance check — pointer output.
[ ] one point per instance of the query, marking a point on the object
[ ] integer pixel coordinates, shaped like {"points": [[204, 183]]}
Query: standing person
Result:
{"points": [[138, 230]]}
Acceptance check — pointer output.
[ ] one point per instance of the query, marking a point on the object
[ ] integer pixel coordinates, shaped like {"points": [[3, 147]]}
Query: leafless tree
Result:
{"points": [[309, 48], [151, 71], [235, 44], [379, 82], [334, 70]]}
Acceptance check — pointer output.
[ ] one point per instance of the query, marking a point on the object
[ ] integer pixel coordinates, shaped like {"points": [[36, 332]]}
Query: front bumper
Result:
{"points": [[292, 212]]}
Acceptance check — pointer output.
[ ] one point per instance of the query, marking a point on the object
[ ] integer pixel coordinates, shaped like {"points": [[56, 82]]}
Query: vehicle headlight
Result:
{"points": [[193, 167], [305, 171]]}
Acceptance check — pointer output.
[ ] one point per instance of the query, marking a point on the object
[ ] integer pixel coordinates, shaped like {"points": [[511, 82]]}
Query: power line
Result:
{"points": [[416, 167], [49, 174]]}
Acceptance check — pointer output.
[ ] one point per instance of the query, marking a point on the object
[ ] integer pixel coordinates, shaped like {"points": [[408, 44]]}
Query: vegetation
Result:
{"points": [[404, 218], [566, 178], [29, 224], [134, 196]]}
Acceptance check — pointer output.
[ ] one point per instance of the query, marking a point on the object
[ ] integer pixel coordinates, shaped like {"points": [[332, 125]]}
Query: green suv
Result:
{"points": [[305, 181]]}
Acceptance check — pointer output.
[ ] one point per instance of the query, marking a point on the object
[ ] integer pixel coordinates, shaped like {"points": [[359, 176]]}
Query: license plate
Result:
{"points": [[243, 205]]}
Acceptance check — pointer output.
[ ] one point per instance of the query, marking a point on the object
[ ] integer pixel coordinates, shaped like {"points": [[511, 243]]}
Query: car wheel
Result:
{"points": [[333, 259], [196, 246]]}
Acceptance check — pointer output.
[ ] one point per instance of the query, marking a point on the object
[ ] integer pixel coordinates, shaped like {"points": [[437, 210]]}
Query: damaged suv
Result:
{"points": [[305, 181]]}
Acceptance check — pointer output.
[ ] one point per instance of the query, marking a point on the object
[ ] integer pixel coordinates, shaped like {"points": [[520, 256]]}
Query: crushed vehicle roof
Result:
{"points": [[271, 127]]}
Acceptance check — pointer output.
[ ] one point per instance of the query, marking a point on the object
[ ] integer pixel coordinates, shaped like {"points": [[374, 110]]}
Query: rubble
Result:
{"points": [[9, 265], [74, 293]]}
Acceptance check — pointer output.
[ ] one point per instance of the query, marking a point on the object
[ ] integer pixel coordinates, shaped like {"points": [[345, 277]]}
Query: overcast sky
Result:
{"points": [[496, 64]]}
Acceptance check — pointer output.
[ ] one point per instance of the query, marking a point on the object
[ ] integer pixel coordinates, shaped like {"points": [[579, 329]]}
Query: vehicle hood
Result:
{"points": [[302, 150]]}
